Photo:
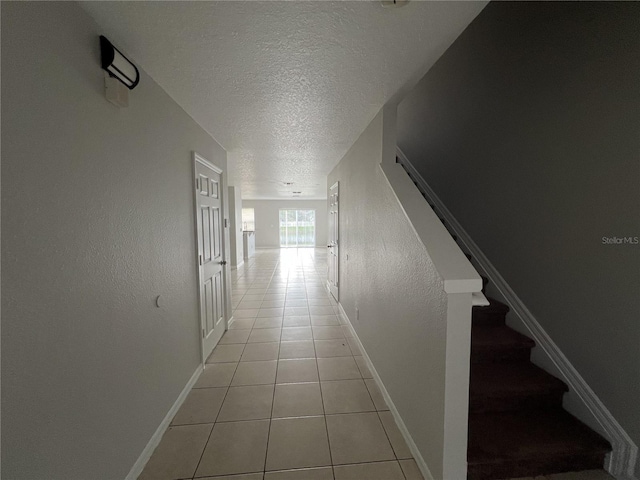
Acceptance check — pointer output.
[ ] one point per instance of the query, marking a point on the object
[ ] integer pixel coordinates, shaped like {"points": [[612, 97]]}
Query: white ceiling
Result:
{"points": [[285, 87]]}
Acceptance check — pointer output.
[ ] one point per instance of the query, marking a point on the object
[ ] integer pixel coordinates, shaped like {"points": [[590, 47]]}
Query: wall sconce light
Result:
{"points": [[394, 3], [118, 66]]}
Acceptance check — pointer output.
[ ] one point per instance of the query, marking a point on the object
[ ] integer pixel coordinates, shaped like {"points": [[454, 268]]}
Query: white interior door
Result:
{"points": [[334, 229], [211, 258]]}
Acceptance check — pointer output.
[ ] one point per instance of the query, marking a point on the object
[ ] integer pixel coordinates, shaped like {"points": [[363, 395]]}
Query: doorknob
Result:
{"points": [[224, 262]]}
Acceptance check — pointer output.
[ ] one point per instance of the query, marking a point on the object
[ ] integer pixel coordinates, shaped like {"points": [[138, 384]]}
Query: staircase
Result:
{"points": [[517, 426]]}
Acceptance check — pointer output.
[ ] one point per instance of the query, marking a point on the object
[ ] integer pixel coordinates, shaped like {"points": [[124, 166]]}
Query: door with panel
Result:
{"points": [[334, 230], [211, 258]]}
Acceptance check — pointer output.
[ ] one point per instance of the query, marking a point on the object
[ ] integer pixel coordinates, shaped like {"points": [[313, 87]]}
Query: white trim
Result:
{"points": [[335, 248], [144, 457], [231, 320], [621, 462], [417, 456], [456, 271], [196, 234], [200, 159], [235, 267], [479, 300]]}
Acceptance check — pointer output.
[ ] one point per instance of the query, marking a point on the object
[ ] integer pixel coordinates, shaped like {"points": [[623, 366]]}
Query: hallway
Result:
{"points": [[286, 394]]}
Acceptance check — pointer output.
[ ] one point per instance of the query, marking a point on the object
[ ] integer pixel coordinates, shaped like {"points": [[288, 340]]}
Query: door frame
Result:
{"points": [[197, 158], [336, 185]]}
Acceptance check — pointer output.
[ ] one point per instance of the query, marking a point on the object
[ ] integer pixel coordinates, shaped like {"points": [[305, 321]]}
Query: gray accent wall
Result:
{"points": [[97, 220], [528, 128]]}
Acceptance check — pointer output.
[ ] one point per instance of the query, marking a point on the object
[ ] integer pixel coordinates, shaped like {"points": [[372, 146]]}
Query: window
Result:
{"points": [[248, 220], [297, 228]]}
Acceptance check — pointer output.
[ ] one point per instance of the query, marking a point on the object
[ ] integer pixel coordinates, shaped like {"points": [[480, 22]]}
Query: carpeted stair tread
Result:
{"points": [[498, 344], [498, 337], [508, 387], [513, 444], [519, 379], [492, 314]]}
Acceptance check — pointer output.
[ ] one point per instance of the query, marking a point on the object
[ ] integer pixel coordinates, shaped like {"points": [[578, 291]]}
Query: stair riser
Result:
{"points": [[500, 355], [543, 401], [533, 468], [487, 318]]}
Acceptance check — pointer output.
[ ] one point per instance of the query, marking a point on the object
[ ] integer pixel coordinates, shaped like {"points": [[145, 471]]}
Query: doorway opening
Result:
{"points": [[297, 228], [248, 220], [334, 229]]}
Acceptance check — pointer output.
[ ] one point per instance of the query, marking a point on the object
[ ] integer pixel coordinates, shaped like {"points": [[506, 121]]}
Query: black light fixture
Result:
{"points": [[118, 66], [394, 3]]}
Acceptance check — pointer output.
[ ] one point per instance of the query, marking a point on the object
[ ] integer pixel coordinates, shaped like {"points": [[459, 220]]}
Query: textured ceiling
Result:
{"points": [[285, 87]]}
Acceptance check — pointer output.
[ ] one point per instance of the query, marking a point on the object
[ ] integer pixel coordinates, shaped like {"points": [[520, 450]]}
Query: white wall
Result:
{"points": [[416, 335], [267, 219], [235, 226], [97, 220]]}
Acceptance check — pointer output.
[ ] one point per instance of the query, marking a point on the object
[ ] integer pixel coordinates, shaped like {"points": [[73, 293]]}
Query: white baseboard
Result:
{"points": [[235, 267], [622, 460], [144, 457], [422, 465]]}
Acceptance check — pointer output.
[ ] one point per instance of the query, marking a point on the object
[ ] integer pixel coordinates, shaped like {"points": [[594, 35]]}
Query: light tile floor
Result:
{"points": [[286, 395]]}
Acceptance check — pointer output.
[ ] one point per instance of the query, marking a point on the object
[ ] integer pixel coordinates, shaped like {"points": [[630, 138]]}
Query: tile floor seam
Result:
{"points": [[323, 408], [216, 419], [275, 379], [384, 429], [375, 407]]}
